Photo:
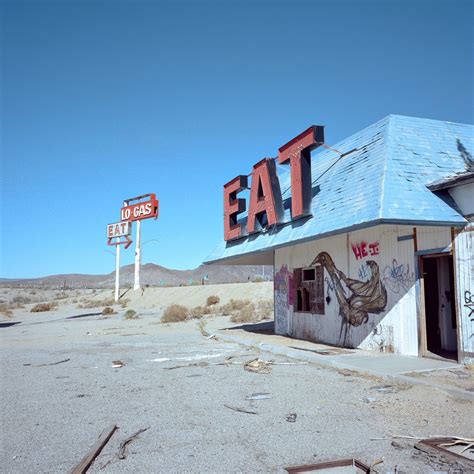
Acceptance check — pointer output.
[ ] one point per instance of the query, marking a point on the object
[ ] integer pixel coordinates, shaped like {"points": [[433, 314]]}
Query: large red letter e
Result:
{"points": [[233, 207]]}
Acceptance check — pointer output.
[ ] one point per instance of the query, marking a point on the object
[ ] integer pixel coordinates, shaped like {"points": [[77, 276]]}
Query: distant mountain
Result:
{"points": [[151, 274]]}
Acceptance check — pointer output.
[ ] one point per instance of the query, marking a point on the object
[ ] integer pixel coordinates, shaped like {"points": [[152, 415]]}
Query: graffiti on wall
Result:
{"points": [[398, 277], [363, 249], [364, 296], [283, 284], [356, 298], [469, 303]]}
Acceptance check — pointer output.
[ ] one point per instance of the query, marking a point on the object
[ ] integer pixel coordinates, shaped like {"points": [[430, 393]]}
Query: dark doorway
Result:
{"points": [[440, 311]]}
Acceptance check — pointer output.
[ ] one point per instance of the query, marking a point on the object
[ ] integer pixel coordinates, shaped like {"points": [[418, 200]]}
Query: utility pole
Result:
{"points": [[136, 286]]}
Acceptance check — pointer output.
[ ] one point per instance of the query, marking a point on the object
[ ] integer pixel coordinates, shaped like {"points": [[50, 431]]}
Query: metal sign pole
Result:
{"points": [[136, 286], [117, 272]]}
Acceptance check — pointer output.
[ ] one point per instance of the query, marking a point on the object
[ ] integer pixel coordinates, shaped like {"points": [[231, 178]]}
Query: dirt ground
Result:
{"points": [[68, 374]]}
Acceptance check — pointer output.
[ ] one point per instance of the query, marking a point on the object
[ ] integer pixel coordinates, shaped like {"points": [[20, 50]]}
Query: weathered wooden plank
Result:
{"points": [[86, 462]]}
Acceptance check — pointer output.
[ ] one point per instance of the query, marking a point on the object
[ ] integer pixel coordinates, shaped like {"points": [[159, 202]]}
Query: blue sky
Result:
{"points": [[105, 100]]}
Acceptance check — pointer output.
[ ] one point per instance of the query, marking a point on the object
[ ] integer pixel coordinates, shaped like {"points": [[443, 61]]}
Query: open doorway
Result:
{"points": [[440, 310]]}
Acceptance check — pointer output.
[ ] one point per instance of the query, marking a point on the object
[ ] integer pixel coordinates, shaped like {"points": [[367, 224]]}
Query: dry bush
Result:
{"points": [[199, 312], [213, 299], [23, 300], [107, 310], [232, 306], [87, 304], [61, 295], [5, 310], [265, 309], [32, 292], [130, 314], [175, 313], [246, 314], [40, 307], [123, 303]]}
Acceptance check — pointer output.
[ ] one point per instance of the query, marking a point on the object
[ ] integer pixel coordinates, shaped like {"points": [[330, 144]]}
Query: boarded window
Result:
{"points": [[308, 287]]}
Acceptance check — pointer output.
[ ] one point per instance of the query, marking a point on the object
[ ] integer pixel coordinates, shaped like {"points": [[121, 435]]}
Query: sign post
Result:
{"points": [[143, 207], [117, 272], [117, 231], [136, 285]]}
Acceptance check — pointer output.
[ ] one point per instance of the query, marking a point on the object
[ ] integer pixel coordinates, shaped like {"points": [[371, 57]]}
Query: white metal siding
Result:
{"points": [[464, 275]]}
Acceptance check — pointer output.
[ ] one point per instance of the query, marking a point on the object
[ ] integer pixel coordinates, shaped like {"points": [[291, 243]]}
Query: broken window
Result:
{"points": [[308, 287]]}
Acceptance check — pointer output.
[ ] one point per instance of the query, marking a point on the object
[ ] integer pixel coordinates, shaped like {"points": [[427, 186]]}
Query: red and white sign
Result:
{"points": [[119, 229], [141, 210]]}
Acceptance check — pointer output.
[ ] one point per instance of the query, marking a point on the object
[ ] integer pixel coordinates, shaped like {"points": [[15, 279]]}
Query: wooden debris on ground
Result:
{"points": [[122, 454], [241, 410], [44, 365], [258, 366], [117, 364], [86, 462]]}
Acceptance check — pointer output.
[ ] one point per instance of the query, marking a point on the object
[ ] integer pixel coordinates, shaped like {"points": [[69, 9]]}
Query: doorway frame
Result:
{"points": [[422, 336]]}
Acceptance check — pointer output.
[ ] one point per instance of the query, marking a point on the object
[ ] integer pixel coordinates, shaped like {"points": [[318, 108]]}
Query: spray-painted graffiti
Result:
{"points": [[363, 249], [363, 272], [398, 277], [283, 285], [469, 303], [356, 298], [329, 288]]}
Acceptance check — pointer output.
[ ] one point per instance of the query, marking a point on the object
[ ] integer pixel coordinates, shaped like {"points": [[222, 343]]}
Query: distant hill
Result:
{"points": [[151, 274]]}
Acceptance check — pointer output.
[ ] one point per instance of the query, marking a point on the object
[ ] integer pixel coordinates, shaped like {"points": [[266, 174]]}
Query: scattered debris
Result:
{"points": [[44, 365], [196, 364], [86, 462], [242, 410], [333, 466], [258, 396], [348, 373], [369, 399], [291, 417], [117, 364], [122, 454], [397, 445], [457, 452], [258, 366], [332, 351]]}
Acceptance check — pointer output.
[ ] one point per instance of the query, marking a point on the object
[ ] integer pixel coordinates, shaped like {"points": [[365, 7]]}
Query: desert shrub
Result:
{"points": [[175, 313], [258, 279], [123, 303], [32, 292], [61, 295], [40, 307], [265, 309], [213, 299], [199, 312], [107, 310], [130, 314], [86, 304], [5, 310], [232, 306], [246, 314], [23, 300]]}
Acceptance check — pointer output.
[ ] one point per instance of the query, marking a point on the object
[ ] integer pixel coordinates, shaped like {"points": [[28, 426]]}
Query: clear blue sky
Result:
{"points": [[104, 100]]}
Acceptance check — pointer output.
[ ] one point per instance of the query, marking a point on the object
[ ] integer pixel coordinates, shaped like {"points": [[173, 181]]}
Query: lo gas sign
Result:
{"points": [[140, 210]]}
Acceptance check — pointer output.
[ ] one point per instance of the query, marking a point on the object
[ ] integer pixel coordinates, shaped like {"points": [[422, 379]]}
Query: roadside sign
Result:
{"points": [[119, 229], [141, 210]]}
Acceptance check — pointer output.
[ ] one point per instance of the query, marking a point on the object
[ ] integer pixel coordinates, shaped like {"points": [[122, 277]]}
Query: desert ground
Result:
{"points": [[71, 372]]}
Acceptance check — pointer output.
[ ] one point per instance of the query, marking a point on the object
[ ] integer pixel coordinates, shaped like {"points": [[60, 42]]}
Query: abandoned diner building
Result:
{"points": [[371, 239]]}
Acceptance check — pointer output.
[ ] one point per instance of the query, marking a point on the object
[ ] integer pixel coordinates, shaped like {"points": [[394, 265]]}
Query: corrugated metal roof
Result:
{"points": [[384, 180]]}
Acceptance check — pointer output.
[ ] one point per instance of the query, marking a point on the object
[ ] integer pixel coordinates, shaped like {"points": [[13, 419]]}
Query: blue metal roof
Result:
{"points": [[384, 180]]}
